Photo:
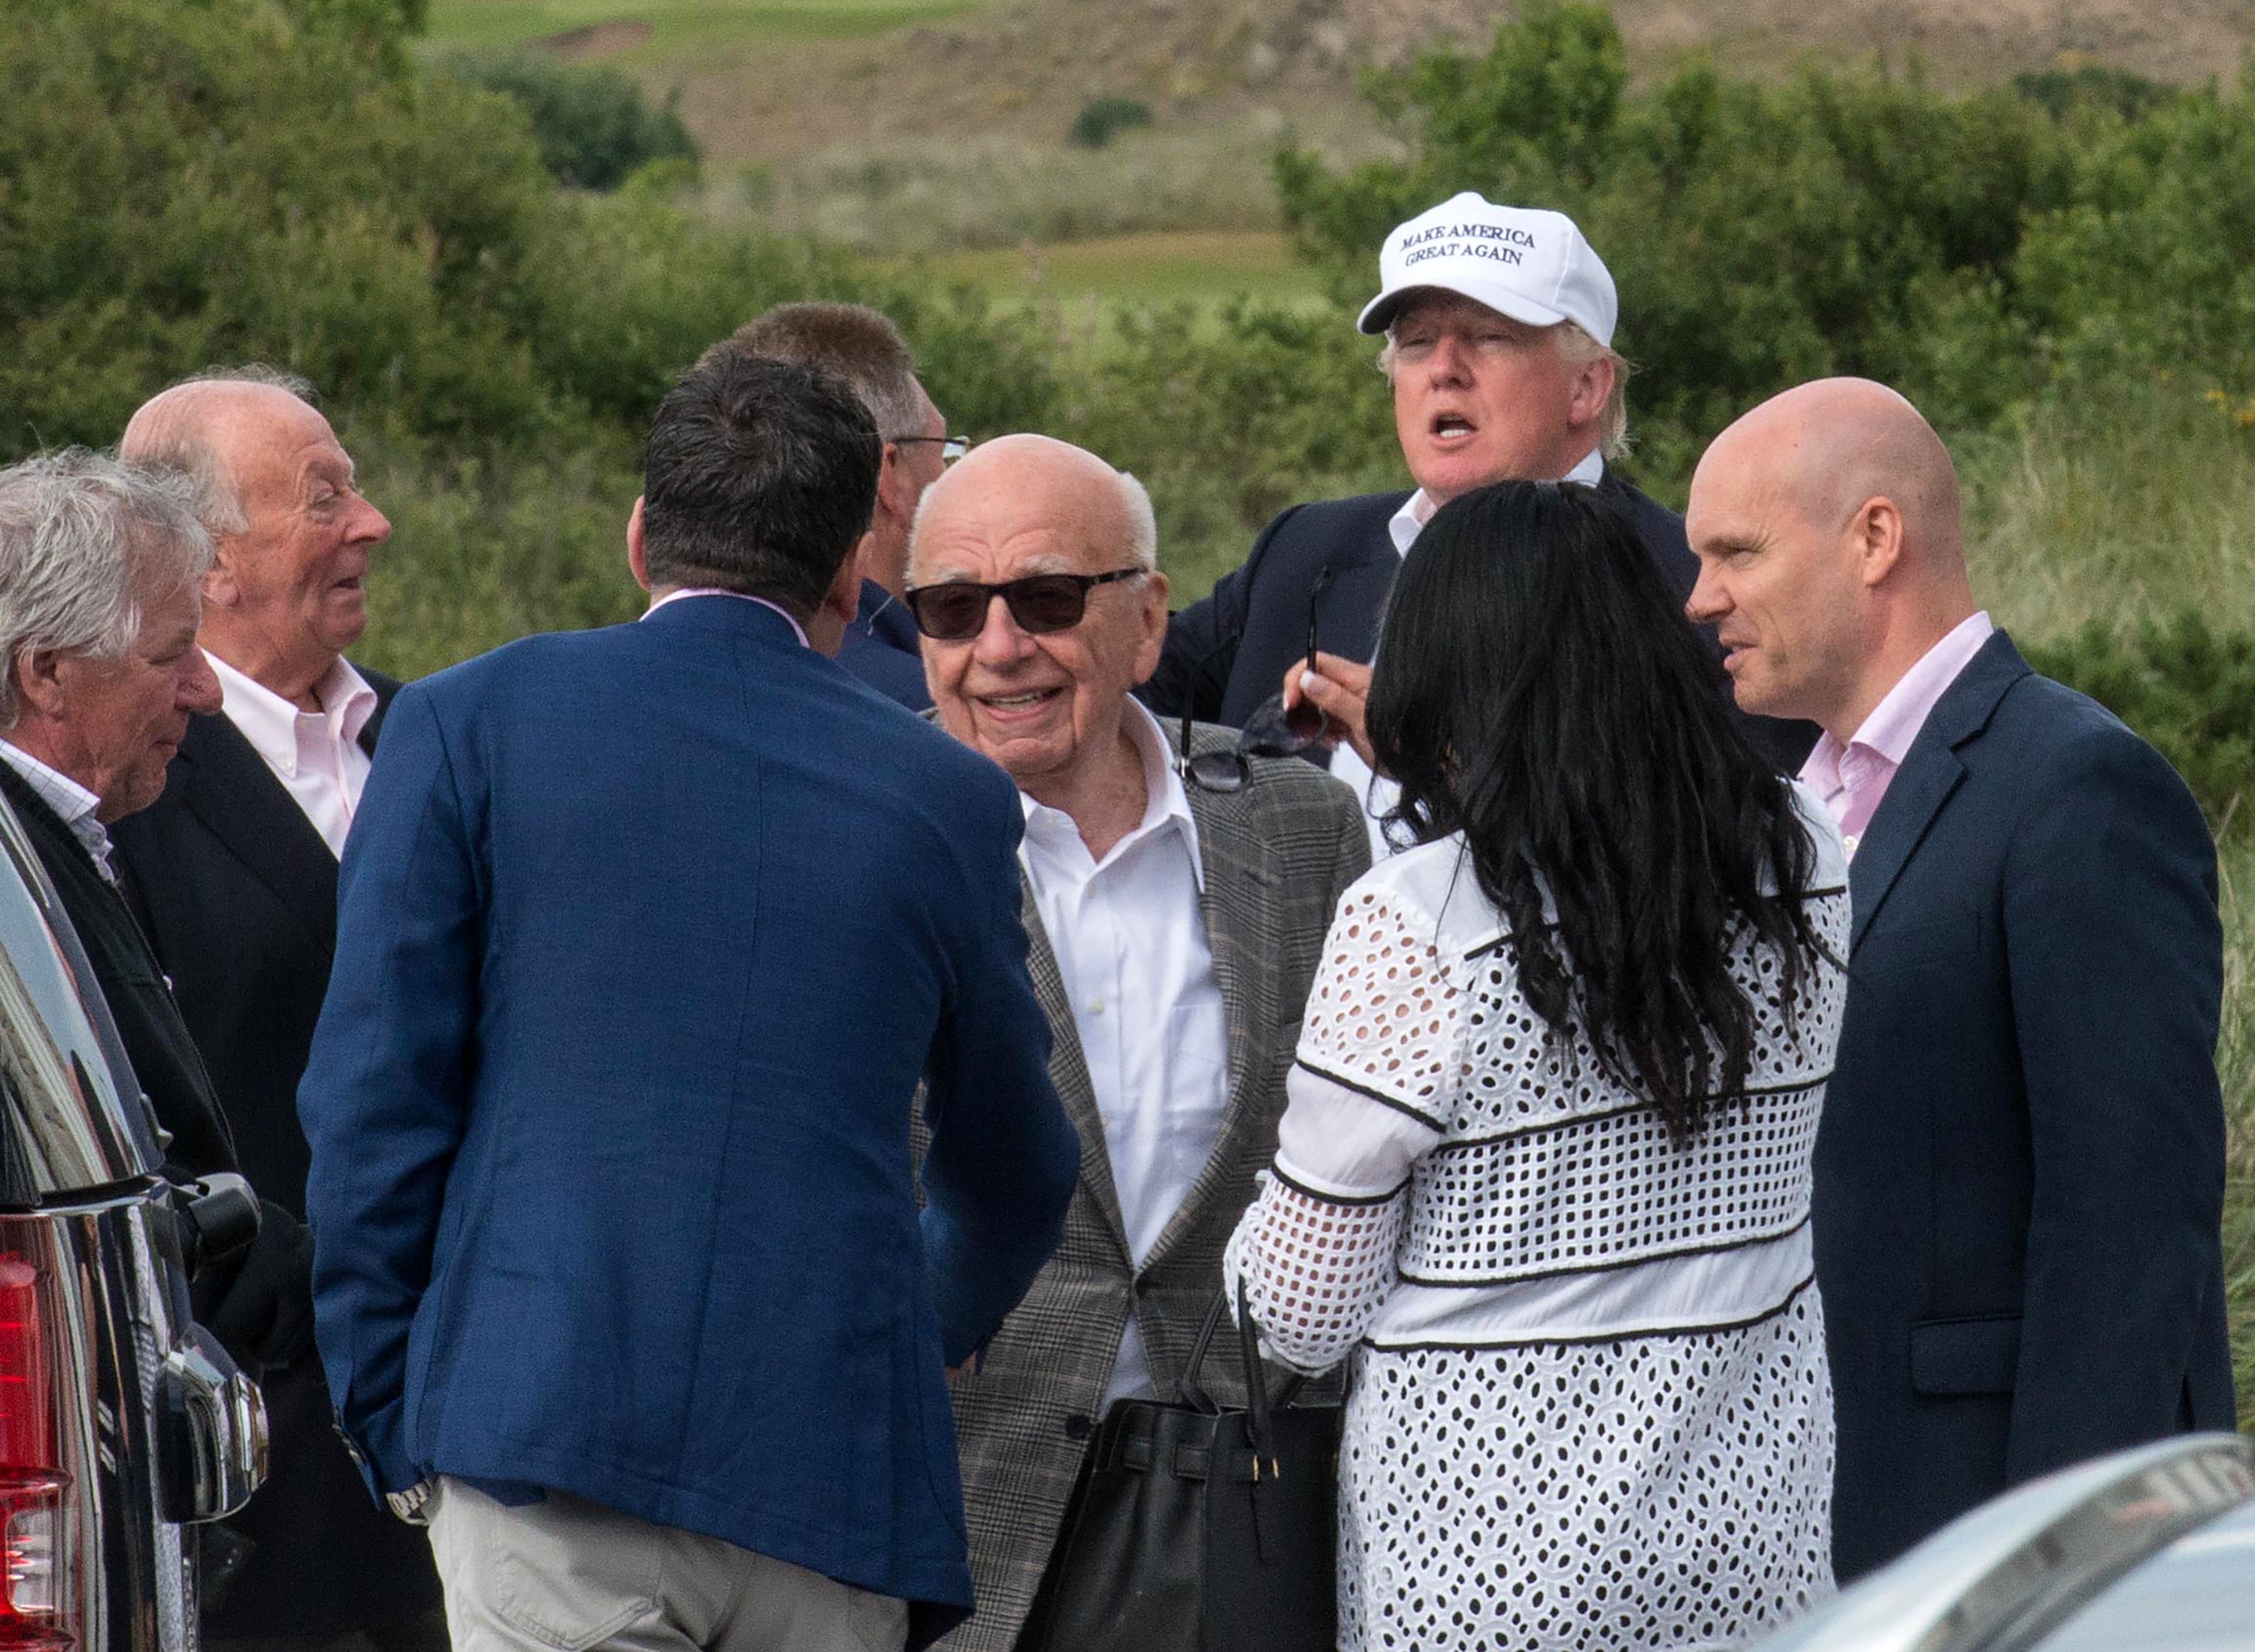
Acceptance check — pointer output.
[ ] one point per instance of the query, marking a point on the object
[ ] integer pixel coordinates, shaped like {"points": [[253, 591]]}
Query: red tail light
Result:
{"points": [[35, 1600]]}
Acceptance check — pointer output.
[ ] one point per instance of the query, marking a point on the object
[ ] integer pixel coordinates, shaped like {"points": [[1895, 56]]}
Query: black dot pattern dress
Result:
{"points": [[1588, 1406]]}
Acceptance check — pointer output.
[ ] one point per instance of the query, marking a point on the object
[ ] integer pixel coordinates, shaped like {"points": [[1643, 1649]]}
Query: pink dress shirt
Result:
{"points": [[1852, 778], [316, 755]]}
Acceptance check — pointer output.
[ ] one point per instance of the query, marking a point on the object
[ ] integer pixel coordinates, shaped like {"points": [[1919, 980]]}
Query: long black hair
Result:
{"points": [[1539, 690]]}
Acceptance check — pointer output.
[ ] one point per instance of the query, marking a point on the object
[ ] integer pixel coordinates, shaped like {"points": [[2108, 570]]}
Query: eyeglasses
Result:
{"points": [[1271, 731], [955, 611], [951, 447]]}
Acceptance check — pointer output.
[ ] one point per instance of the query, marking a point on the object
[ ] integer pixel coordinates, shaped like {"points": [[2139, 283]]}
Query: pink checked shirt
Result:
{"points": [[1852, 778]]}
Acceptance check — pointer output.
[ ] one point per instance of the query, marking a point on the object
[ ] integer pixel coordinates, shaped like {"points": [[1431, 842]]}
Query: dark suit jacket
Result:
{"points": [[2020, 1173], [244, 1297], [1227, 653], [645, 937], [1276, 857], [880, 648], [165, 1060], [237, 894]]}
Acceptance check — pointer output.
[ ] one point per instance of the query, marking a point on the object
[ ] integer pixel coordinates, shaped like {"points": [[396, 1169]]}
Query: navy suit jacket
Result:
{"points": [[646, 937], [2019, 1172], [880, 648], [1228, 652]]}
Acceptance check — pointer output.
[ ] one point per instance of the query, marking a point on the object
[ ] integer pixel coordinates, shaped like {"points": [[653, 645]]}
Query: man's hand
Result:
{"points": [[1339, 688]]}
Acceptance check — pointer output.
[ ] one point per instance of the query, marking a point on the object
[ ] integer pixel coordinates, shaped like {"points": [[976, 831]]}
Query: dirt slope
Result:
{"points": [[1024, 66]]}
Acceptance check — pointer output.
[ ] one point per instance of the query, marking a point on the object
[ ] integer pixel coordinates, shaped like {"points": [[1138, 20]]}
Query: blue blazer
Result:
{"points": [[646, 937], [881, 649], [2020, 1173]]}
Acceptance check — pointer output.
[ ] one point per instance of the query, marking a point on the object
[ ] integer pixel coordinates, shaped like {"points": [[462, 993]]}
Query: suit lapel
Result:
{"points": [[1347, 619], [385, 688], [1931, 771], [1240, 912], [1069, 1066], [227, 786]]}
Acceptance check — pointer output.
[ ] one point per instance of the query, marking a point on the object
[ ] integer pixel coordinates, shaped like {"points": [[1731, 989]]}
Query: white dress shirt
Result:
{"points": [[67, 798], [316, 755], [1380, 795], [1131, 946]]}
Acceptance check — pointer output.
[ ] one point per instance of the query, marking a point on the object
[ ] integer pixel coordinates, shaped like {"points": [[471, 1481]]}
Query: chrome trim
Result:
{"points": [[212, 1441], [2004, 1575]]}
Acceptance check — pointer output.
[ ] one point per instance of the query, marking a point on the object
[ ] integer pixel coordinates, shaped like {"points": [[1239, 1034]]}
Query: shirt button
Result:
{"points": [[1096, 1006]]}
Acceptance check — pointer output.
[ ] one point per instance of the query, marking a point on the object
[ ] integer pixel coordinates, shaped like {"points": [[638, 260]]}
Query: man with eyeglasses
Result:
{"points": [[1174, 932], [866, 350], [1499, 324]]}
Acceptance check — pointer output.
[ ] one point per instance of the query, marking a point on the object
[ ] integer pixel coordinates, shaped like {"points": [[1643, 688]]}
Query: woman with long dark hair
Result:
{"points": [[1544, 1172]]}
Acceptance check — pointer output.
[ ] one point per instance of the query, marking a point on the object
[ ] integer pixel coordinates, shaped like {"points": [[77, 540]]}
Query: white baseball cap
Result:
{"points": [[1531, 265]]}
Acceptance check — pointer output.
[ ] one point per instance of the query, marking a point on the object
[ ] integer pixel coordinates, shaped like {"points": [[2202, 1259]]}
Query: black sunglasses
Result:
{"points": [[955, 611], [1271, 731]]}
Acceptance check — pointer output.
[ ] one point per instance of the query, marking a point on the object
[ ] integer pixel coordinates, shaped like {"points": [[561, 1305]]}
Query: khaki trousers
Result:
{"points": [[566, 1575]]}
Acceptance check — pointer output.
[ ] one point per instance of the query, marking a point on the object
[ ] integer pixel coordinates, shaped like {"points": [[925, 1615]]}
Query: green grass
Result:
{"points": [[2236, 1063], [1205, 269], [893, 198], [678, 25]]}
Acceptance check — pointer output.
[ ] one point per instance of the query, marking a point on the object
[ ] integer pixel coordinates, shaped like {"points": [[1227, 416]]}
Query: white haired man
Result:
{"points": [[1499, 324], [1174, 933]]}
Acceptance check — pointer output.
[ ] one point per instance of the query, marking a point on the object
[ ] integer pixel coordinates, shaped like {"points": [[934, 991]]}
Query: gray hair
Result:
{"points": [[1577, 351], [168, 432], [862, 346], [85, 541]]}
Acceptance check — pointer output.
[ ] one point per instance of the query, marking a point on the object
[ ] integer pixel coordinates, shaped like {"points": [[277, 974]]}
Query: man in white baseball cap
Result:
{"points": [[1499, 324]]}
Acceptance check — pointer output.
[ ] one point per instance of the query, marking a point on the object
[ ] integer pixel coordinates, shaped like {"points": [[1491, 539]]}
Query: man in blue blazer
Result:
{"points": [[2019, 1172], [647, 937]]}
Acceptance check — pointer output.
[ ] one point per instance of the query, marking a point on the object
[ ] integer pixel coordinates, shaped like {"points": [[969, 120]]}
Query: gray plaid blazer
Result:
{"points": [[1276, 857]]}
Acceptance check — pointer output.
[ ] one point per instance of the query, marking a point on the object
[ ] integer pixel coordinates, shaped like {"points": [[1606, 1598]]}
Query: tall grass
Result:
{"points": [[2234, 1060], [2138, 501], [999, 191]]}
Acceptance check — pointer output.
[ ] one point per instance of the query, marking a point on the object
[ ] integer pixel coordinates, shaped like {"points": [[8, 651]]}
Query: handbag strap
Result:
{"points": [[1258, 1427], [1190, 1391], [1260, 1404]]}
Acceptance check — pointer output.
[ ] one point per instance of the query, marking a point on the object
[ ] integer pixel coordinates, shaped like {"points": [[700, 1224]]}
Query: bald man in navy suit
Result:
{"points": [[2019, 1172]]}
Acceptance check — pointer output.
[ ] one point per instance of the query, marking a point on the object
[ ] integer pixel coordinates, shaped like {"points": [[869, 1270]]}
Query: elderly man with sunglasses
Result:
{"points": [[1176, 890]]}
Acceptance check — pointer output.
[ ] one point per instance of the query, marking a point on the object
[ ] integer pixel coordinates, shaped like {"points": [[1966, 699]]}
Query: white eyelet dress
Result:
{"points": [[1588, 1406]]}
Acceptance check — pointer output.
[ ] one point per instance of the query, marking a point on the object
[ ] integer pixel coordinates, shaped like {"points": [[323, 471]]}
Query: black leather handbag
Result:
{"points": [[1204, 1527]]}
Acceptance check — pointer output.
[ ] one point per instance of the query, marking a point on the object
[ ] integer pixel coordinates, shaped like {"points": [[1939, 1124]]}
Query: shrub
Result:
{"points": [[2188, 689], [1102, 119], [593, 124]]}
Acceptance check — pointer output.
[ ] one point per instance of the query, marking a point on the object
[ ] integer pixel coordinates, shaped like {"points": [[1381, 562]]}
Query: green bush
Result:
{"points": [[1102, 119], [2186, 687], [594, 126]]}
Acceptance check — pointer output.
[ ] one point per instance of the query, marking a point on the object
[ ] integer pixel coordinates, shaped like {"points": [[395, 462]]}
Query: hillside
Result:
{"points": [[776, 89]]}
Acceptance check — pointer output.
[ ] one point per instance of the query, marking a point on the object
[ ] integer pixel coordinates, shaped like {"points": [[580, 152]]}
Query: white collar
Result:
{"points": [[1165, 802], [270, 722], [66, 797], [1417, 509]]}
